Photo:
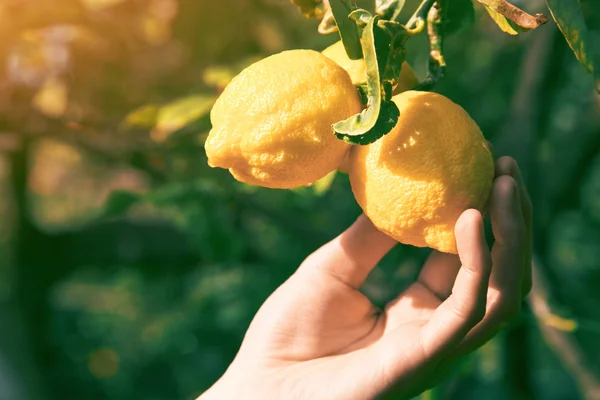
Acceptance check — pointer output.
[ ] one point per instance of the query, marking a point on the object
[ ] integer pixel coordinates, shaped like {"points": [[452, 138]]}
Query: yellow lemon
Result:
{"points": [[356, 68], [414, 183], [272, 125]]}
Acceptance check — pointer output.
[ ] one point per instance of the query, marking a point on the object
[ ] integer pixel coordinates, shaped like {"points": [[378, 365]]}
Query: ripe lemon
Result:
{"points": [[416, 181], [356, 68], [272, 125]]}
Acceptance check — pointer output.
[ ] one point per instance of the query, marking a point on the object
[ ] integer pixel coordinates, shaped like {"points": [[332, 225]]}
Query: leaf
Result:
{"points": [[380, 115], [363, 122], [503, 23], [180, 113], [510, 14], [390, 47], [347, 28], [570, 20], [143, 117], [311, 8], [458, 15], [387, 120], [321, 186], [119, 202]]}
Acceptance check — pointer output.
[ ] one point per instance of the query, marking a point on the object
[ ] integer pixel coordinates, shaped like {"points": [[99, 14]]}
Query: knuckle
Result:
{"points": [[506, 165], [507, 183]]}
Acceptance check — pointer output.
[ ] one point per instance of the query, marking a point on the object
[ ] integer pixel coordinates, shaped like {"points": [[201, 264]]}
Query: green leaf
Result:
{"points": [[119, 202], [458, 15], [348, 29], [387, 120], [390, 46], [512, 19], [363, 122], [570, 20], [321, 186], [180, 113], [383, 49], [143, 117]]}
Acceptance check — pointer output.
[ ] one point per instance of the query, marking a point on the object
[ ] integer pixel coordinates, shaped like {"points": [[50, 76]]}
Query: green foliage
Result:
{"points": [[384, 52], [119, 203], [590, 191], [348, 29], [569, 18], [458, 15]]}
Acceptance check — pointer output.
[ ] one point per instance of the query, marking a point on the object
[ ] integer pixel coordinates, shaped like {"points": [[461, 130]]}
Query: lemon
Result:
{"points": [[272, 125], [357, 71], [414, 183]]}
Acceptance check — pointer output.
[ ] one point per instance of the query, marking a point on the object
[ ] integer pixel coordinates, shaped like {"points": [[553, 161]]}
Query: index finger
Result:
{"points": [[351, 256]]}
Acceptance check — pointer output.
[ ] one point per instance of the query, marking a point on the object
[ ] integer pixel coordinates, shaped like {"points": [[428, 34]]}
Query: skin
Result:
{"points": [[318, 337]]}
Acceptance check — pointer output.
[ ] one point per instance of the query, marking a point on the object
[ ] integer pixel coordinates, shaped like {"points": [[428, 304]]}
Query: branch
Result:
{"points": [[562, 343]]}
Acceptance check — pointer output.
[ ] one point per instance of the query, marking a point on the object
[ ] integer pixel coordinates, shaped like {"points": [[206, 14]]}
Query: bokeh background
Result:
{"points": [[129, 269]]}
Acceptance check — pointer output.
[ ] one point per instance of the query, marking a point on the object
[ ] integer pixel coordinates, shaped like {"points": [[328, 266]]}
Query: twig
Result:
{"points": [[563, 343], [418, 18]]}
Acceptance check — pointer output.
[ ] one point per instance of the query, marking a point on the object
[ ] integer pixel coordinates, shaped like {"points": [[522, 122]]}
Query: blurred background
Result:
{"points": [[129, 269]]}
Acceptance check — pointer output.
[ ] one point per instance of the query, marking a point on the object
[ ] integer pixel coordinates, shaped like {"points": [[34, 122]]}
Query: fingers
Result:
{"points": [[439, 272], [509, 264], [465, 307], [508, 166], [351, 256]]}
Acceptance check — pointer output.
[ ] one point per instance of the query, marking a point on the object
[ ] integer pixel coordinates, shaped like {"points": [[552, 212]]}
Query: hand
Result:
{"points": [[318, 337]]}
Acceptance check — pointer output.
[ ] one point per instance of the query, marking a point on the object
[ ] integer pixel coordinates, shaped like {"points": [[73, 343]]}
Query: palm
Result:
{"points": [[319, 337], [336, 319], [331, 320]]}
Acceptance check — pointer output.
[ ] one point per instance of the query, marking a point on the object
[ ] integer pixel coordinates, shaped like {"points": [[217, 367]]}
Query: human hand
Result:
{"points": [[318, 337]]}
